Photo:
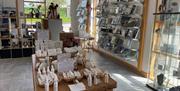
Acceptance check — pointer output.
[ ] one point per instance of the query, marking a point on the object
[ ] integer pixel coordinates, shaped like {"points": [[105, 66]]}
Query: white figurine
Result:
{"points": [[39, 72], [47, 84], [39, 76], [43, 75], [47, 61], [106, 77], [44, 71], [55, 83], [64, 75], [49, 74], [89, 80], [52, 68], [48, 71], [95, 78]]}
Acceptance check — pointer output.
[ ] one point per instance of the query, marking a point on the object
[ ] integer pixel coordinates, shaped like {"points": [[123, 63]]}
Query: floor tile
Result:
{"points": [[16, 74]]}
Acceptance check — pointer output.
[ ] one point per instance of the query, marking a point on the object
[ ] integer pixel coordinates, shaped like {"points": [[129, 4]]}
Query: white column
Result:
{"points": [[74, 18], [148, 36]]}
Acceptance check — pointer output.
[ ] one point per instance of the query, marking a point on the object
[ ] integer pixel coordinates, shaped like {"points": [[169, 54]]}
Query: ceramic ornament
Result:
{"points": [[40, 81], [89, 80], [43, 53], [77, 74], [43, 75], [59, 51], [52, 52], [55, 64], [52, 68], [42, 65], [48, 71], [47, 60], [87, 72], [95, 78], [71, 74], [39, 72], [106, 78], [47, 84], [55, 83], [39, 75], [44, 71], [64, 75]]}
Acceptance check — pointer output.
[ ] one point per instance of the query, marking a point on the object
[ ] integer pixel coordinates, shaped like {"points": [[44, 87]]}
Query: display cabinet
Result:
{"points": [[8, 29], [165, 57], [31, 21], [120, 28], [17, 29]]}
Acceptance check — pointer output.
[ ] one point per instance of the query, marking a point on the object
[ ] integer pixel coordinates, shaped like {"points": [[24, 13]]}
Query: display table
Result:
{"points": [[63, 86]]}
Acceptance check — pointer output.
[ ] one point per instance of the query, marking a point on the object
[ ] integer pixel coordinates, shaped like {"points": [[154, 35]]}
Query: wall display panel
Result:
{"points": [[120, 24], [83, 13]]}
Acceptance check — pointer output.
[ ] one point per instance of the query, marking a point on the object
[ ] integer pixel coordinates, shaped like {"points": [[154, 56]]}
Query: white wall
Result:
{"points": [[74, 18], [148, 36]]}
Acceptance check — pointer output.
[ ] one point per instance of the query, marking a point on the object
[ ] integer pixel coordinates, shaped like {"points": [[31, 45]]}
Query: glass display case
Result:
{"points": [[165, 57]]}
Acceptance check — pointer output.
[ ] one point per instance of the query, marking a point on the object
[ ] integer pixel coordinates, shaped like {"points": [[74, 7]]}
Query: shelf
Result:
{"points": [[1, 17], [27, 47], [4, 27], [167, 54], [166, 13], [4, 38], [16, 48], [116, 34], [161, 22], [34, 1], [17, 38], [30, 18], [120, 2], [131, 62], [114, 25], [5, 48]]}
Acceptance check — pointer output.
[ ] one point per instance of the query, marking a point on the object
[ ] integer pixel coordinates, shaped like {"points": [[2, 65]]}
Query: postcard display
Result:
{"points": [[119, 23], [166, 48], [82, 12]]}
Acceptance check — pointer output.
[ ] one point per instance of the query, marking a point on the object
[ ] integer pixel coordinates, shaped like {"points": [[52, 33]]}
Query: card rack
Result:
{"points": [[119, 23], [82, 13]]}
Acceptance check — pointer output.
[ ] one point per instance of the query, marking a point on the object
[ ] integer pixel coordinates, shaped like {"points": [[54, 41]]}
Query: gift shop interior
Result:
{"points": [[89, 45]]}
